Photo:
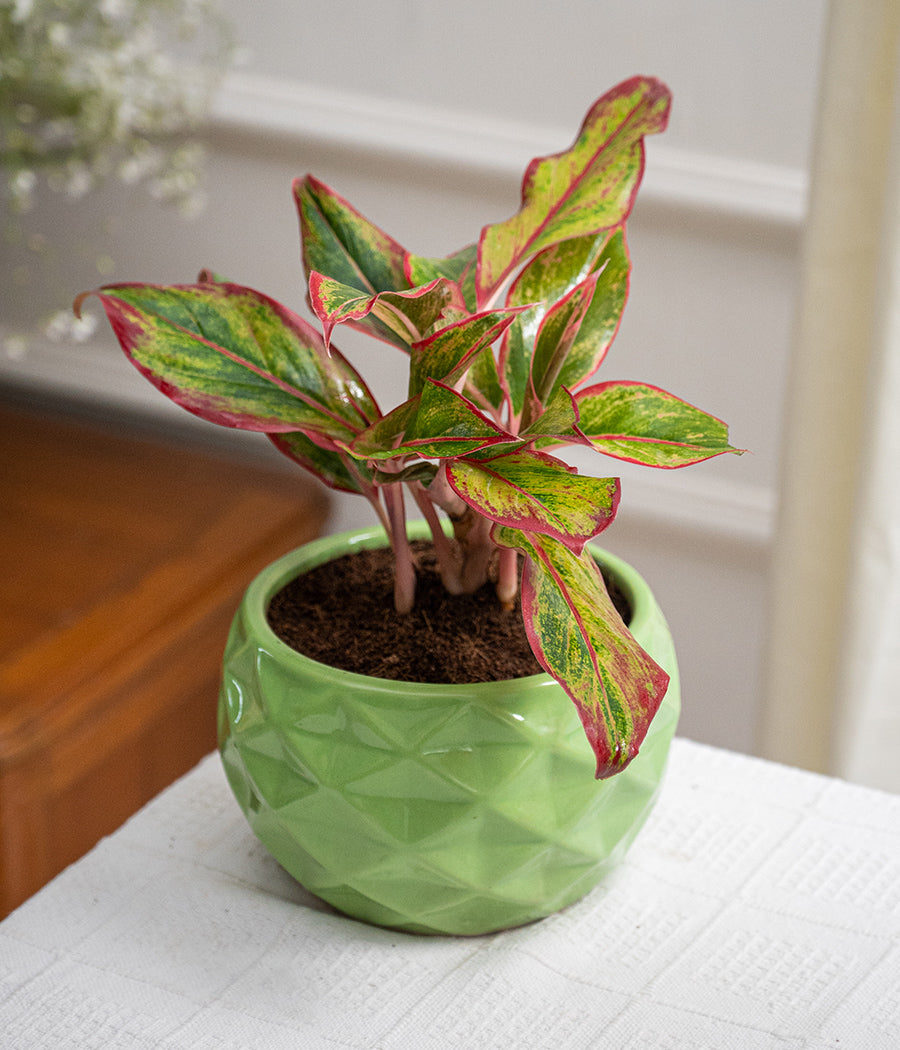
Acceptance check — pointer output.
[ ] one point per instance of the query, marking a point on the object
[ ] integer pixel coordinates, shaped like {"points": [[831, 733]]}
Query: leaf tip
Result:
{"points": [[612, 760], [79, 301]]}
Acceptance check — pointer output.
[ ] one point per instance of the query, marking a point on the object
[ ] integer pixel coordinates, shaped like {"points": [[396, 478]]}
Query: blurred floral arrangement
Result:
{"points": [[93, 90]]}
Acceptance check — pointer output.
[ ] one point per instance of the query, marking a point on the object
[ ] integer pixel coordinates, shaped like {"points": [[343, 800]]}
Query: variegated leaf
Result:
{"points": [[237, 358], [449, 352], [400, 318], [579, 638], [588, 188], [538, 493], [436, 424], [330, 465], [557, 424], [459, 268], [601, 322], [553, 345], [546, 279], [382, 440], [643, 424], [340, 242], [483, 383], [421, 471]]}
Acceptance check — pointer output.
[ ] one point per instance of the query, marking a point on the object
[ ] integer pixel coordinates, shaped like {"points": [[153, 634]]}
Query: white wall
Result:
{"points": [[424, 116]]}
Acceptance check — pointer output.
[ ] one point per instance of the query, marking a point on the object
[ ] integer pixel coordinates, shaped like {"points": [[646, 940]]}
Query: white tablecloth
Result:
{"points": [[759, 908]]}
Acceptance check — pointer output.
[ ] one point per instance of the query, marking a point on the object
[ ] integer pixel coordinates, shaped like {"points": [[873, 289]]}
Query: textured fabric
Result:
{"points": [[759, 908]]}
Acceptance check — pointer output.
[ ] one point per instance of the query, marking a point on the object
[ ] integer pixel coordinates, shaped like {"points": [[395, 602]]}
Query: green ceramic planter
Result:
{"points": [[428, 808]]}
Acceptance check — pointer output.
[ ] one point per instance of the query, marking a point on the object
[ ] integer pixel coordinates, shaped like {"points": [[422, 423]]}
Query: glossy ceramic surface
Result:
{"points": [[428, 808]]}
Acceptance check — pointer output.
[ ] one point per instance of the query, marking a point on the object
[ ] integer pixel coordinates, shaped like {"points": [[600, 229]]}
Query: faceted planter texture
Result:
{"points": [[428, 808]]}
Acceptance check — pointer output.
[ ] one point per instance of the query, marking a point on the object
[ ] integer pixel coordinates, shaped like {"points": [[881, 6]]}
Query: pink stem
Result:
{"points": [[507, 577], [440, 492], [473, 534], [471, 530], [446, 553], [404, 572]]}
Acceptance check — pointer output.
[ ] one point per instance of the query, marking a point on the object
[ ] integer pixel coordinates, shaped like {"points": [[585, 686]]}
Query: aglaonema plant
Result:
{"points": [[502, 338]]}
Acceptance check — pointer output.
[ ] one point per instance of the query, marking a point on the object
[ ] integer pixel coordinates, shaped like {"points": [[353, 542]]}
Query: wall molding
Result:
{"points": [[259, 106], [701, 505]]}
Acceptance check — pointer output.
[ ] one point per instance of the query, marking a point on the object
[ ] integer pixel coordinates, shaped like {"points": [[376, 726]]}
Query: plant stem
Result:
{"points": [[382, 516], [366, 487], [404, 571], [507, 577], [447, 554], [471, 530], [440, 492]]}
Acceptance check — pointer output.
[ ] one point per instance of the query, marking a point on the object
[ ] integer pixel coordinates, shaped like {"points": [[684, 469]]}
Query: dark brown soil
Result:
{"points": [[341, 613]]}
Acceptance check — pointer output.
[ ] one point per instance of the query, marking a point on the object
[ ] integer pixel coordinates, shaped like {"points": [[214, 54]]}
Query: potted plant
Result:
{"points": [[437, 806]]}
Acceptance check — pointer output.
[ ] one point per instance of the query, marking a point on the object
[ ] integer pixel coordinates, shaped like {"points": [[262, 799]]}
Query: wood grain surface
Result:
{"points": [[124, 557]]}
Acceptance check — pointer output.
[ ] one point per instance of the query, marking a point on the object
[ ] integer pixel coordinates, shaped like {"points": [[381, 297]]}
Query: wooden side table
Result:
{"points": [[124, 558]]}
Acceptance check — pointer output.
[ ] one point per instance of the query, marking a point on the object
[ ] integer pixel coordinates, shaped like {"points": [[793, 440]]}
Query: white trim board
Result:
{"points": [[265, 106]]}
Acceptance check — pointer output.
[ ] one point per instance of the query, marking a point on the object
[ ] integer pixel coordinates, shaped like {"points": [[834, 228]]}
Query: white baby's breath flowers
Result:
{"points": [[89, 90], [65, 325], [94, 91]]}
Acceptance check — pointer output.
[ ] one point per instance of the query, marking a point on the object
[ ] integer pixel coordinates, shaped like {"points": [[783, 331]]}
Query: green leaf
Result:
{"points": [[546, 279], [420, 471], [342, 244], [448, 424], [643, 424], [601, 322], [483, 383], [329, 465], [538, 493], [588, 188], [382, 440], [450, 352], [400, 318], [237, 358], [459, 268], [436, 424], [554, 342], [557, 424], [579, 638]]}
